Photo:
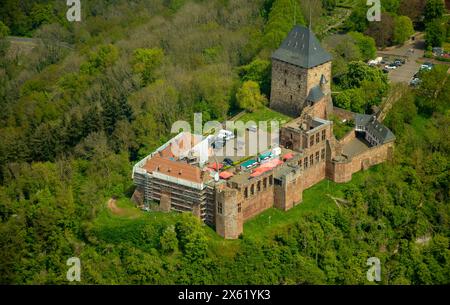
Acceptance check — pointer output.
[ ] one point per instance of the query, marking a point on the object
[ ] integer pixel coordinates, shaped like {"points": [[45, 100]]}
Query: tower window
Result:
{"points": [[285, 82], [306, 162], [311, 160], [323, 135], [317, 137], [317, 157], [239, 207], [219, 208], [311, 141], [291, 98]]}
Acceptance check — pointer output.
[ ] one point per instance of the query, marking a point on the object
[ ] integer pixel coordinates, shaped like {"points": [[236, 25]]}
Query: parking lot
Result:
{"points": [[404, 73]]}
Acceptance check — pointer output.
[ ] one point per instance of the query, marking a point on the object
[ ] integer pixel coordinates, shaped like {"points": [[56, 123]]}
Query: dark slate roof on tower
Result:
{"points": [[302, 48], [315, 94]]}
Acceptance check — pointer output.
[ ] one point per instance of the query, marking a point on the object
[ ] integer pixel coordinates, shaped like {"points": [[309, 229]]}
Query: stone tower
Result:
{"points": [[301, 73], [229, 221]]}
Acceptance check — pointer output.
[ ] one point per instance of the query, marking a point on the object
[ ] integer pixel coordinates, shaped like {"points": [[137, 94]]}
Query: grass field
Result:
{"points": [[315, 200], [341, 129], [131, 225], [265, 114]]}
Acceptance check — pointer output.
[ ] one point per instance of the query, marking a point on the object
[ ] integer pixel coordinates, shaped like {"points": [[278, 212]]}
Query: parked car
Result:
{"points": [[375, 61], [398, 62], [426, 66], [438, 51], [415, 81], [228, 161], [253, 128], [391, 67]]}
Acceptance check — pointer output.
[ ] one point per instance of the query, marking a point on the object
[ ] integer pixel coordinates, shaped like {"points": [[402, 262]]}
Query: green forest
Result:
{"points": [[95, 96]]}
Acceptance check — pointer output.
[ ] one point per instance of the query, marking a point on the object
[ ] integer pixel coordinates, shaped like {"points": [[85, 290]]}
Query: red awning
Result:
{"points": [[256, 174], [225, 175], [288, 156], [272, 163], [215, 166]]}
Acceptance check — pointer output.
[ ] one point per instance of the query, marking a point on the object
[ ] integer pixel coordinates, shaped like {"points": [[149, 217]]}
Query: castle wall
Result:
{"points": [[342, 171], [288, 190], [320, 108], [348, 138], [256, 204], [313, 174]]}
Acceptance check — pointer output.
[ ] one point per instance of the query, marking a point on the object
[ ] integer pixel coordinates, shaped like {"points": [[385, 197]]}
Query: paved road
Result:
{"points": [[404, 73]]}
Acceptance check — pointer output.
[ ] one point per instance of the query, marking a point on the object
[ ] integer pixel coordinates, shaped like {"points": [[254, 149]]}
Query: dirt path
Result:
{"points": [[395, 94], [344, 17], [114, 208]]}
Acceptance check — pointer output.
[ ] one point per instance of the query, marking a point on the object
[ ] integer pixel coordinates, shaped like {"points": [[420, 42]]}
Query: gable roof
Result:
{"points": [[302, 48], [374, 127]]}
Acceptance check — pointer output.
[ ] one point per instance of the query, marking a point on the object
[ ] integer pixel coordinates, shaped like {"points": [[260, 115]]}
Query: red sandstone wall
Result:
{"points": [[348, 137], [319, 110], [258, 203], [313, 175], [342, 172], [294, 193]]}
